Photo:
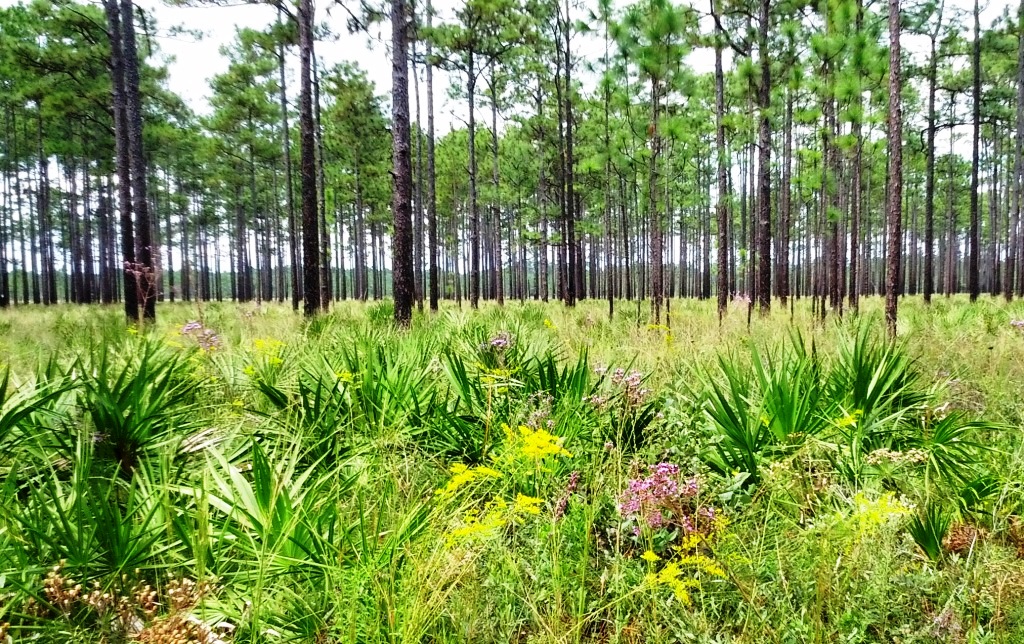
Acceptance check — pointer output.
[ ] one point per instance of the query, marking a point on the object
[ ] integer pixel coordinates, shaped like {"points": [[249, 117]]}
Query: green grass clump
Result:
{"points": [[528, 473]]}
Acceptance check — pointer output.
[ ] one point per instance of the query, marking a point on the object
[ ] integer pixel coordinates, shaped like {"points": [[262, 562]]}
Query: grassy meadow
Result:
{"points": [[529, 474]]}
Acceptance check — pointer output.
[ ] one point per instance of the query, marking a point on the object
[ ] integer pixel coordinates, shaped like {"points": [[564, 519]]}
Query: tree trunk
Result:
{"points": [[131, 301], [929, 188], [570, 167], [417, 209], [657, 284], [474, 212], [895, 148], [402, 273], [764, 208], [435, 291], [1018, 167], [321, 196], [722, 207], [307, 151], [973, 284]]}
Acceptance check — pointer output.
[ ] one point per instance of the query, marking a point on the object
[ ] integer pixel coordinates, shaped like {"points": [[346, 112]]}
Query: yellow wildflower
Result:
{"points": [[527, 504], [873, 514], [475, 526], [673, 575], [850, 419], [650, 556], [463, 475], [539, 443]]}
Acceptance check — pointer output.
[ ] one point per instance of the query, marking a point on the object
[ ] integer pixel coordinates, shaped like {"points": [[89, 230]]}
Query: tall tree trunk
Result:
{"points": [[321, 196], [307, 152], [435, 291], [786, 202], [133, 108], [654, 219], [929, 188], [121, 147], [570, 167], [895, 145], [973, 284], [417, 222], [474, 212], [609, 270], [764, 207], [499, 278], [722, 207], [1018, 167], [402, 273], [293, 231]]}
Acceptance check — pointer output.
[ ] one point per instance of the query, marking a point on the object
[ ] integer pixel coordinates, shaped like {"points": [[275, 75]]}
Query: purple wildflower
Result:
{"points": [[574, 481], [207, 339], [501, 341]]}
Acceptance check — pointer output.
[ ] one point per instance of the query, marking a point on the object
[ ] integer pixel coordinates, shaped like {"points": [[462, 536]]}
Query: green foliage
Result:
{"points": [[480, 475], [929, 529]]}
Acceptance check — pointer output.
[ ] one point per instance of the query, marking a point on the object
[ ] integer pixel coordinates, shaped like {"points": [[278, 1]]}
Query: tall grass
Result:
{"points": [[527, 473]]}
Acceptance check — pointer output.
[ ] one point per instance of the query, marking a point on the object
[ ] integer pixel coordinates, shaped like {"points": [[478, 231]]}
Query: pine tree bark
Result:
{"points": [[1018, 167], [764, 207], [474, 211], [307, 163], [417, 222], [570, 169], [894, 213], [654, 218], [435, 290], [402, 273], [929, 188], [140, 204], [722, 207], [973, 283], [131, 301]]}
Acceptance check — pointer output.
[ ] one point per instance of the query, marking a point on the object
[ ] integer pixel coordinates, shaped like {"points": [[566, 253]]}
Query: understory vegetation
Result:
{"points": [[530, 473]]}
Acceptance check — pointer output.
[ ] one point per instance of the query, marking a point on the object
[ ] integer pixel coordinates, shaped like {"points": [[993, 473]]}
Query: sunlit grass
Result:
{"points": [[514, 474]]}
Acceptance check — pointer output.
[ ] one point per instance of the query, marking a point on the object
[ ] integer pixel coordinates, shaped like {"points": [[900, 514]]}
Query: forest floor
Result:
{"points": [[529, 473]]}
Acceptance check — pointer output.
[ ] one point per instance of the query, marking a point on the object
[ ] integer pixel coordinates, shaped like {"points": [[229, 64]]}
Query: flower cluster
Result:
{"points": [[61, 593], [206, 338], [597, 401], [680, 574], [909, 457], [496, 514], [871, 514], [179, 628], [462, 475], [498, 343], [540, 416], [663, 499], [570, 489], [633, 390], [539, 443], [136, 611], [1017, 324], [270, 349]]}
